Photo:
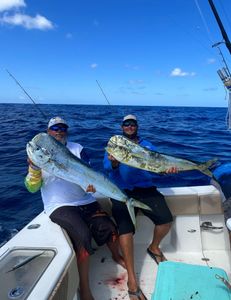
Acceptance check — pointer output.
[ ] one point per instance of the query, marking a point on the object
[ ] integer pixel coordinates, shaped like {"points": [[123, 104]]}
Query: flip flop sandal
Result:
{"points": [[155, 256], [138, 294]]}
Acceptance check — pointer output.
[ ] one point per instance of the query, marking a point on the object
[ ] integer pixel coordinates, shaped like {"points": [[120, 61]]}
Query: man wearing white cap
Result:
{"points": [[138, 184], [74, 209]]}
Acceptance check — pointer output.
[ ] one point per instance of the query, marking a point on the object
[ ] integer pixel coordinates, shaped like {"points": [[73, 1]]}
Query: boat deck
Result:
{"points": [[188, 241], [109, 281]]}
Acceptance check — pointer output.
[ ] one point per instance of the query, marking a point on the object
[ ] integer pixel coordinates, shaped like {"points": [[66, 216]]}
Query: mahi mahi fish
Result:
{"points": [[134, 155], [55, 158]]}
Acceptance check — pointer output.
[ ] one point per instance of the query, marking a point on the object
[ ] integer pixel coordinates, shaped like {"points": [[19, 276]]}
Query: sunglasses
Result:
{"points": [[129, 123], [57, 128]]}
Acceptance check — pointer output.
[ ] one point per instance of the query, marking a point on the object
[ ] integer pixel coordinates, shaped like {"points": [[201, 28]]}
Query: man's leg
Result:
{"points": [[127, 247], [160, 231], [113, 245], [83, 269], [126, 231], [126, 244], [70, 219], [161, 216]]}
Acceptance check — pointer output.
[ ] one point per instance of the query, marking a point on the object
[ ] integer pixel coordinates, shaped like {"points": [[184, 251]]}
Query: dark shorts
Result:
{"points": [[159, 214], [84, 222]]}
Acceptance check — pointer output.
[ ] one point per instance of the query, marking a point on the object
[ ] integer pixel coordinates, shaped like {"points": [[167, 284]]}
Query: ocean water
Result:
{"points": [[193, 133]]}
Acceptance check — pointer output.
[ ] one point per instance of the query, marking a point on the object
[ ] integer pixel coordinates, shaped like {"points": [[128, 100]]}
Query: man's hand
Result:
{"points": [[114, 162], [172, 170], [90, 189]]}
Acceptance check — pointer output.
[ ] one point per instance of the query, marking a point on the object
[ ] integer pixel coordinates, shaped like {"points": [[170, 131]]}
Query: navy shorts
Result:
{"points": [[159, 214], [84, 222]]}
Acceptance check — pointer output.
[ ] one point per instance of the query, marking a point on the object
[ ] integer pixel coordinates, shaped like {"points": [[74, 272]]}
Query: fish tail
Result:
{"points": [[131, 203], [139, 204], [131, 211], [204, 168]]}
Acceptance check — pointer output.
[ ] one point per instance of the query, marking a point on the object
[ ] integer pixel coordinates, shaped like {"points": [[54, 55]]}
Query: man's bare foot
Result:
{"points": [[119, 260]]}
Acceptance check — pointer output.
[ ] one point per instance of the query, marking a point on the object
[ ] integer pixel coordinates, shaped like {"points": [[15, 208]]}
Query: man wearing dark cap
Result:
{"points": [[138, 184], [74, 209]]}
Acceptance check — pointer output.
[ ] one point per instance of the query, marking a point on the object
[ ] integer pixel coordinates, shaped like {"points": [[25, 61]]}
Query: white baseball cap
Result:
{"points": [[57, 120], [129, 117]]}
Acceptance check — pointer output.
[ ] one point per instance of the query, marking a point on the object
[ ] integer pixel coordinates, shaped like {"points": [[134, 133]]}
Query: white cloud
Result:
{"points": [[135, 81], [37, 22], [127, 66], [177, 72], [93, 66], [211, 61], [11, 4]]}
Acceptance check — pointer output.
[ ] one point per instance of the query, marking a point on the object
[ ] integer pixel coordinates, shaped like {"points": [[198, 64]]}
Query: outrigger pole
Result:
{"points": [[103, 93], [225, 77], [223, 73], [44, 115], [222, 29]]}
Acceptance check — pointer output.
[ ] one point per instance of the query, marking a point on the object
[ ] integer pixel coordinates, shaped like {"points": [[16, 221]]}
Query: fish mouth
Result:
{"points": [[29, 149], [109, 150], [112, 144]]}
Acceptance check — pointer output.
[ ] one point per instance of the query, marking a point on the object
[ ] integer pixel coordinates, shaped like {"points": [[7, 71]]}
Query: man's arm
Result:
{"points": [[33, 180], [110, 162]]}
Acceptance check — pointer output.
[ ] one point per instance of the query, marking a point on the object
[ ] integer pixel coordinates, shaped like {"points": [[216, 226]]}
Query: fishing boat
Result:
{"points": [[39, 263]]}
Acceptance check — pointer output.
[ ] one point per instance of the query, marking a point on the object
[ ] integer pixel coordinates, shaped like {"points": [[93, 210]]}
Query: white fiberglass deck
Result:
{"points": [[109, 281], [186, 242]]}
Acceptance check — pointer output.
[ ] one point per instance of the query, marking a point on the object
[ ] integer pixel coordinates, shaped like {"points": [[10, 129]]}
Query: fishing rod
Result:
{"points": [[37, 107], [222, 29], [103, 92]]}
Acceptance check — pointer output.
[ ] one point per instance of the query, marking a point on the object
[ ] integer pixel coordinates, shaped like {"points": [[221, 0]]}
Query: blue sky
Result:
{"points": [[142, 52]]}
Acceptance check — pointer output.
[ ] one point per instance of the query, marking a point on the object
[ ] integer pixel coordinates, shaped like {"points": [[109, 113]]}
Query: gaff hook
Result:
{"points": [[228, 285]]}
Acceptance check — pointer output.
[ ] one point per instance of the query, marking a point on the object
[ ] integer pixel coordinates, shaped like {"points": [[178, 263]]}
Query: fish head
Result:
{"points": [[116, 140], [37, 150], [119, 152]]}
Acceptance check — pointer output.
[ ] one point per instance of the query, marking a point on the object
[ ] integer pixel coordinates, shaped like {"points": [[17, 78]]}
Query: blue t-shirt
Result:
{"points": [[126, 177], [222, 174]]}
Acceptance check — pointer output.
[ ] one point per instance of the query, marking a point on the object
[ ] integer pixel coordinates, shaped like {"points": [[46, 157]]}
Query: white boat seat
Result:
{"points": [[203, 200]]}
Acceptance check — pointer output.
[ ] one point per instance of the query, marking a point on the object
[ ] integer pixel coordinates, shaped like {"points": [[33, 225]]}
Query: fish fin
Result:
{"points": [[139, 204], [204, 168], [131, 211]]}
